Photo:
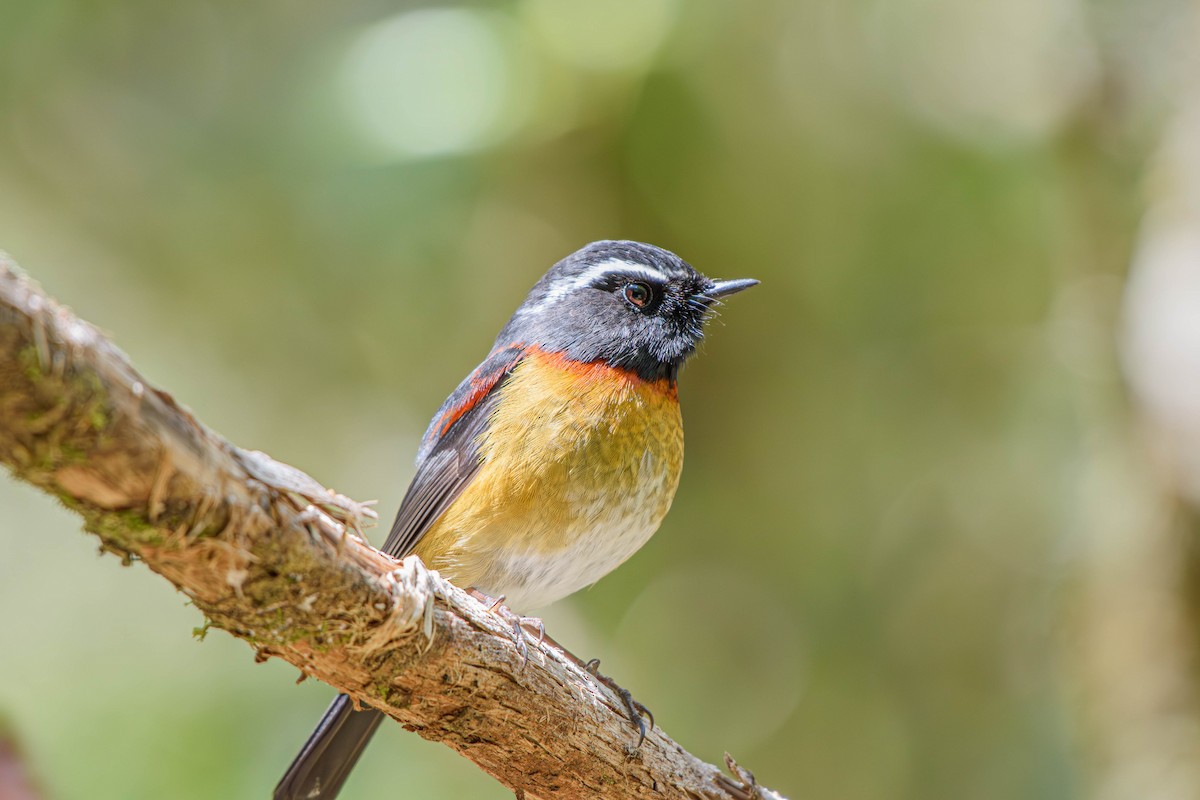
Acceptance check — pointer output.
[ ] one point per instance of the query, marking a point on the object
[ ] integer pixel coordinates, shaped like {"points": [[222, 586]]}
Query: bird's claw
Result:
{"points": [[521, 632], [522, 635], [637, 712], [517, 623], [746, 787], [518, 634]]}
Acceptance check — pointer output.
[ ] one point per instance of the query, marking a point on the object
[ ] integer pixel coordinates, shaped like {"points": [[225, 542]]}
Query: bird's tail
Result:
{"points": [[330, 752]]}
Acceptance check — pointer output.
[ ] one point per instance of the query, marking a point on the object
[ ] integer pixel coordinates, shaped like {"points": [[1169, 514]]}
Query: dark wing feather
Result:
{"points": [[449, 454], [446, 462]]}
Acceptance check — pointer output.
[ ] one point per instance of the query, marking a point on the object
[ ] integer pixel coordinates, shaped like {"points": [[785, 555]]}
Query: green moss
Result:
{"points": [[383, 689], [98, 418], [69, 501], [89, 392], [69, 454], [122, 532], [207, 531], [31, 362], [67, 417]]}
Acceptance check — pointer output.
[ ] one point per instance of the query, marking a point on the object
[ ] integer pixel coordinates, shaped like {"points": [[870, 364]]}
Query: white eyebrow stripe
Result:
{"points": [[589, 275]]}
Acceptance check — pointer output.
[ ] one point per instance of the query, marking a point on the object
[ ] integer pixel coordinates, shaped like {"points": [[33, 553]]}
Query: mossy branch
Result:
{"points": [[273, 557]]}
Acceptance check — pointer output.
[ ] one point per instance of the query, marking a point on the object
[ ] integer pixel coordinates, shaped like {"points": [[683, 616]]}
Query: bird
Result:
{"points": [[553, 461]]}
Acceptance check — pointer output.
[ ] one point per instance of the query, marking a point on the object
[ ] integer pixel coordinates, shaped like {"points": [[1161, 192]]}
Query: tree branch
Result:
{"points": [[273, 557]]}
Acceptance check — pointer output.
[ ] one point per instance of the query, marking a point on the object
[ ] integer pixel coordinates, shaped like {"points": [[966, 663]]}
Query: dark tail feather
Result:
{"points": [[330, 752]]}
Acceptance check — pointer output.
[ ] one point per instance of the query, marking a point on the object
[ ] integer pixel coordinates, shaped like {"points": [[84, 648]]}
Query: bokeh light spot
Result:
{"points": [[614, 36], [430, 82]]}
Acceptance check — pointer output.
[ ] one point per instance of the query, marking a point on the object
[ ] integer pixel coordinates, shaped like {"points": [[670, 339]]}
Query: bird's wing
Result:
{"points": [[449, 454]]}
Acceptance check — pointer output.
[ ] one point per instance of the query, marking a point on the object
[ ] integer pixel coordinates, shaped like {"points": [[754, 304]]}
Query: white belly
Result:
{"points": [[613, 530]]}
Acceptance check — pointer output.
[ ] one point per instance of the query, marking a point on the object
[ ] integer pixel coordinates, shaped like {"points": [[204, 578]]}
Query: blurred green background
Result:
{"points": [[308, 221]]}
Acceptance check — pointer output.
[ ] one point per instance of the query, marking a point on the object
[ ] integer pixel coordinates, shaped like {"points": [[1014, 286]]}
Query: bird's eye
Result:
{"points": [[638, 294]]}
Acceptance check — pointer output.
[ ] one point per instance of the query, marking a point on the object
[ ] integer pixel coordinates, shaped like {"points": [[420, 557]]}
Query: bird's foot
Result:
{"points": [[637, 712], [746, 787], [523, 628]]}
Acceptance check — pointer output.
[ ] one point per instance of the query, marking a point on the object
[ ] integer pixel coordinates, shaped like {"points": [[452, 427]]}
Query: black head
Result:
{"points": [[628, 304]]}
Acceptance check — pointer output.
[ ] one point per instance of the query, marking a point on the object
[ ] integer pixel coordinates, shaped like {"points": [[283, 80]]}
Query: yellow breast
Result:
{"points": [[579, 466]]}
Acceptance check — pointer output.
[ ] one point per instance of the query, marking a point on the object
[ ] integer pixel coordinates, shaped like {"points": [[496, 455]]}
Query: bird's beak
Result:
{"points": [[725, 288]]}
